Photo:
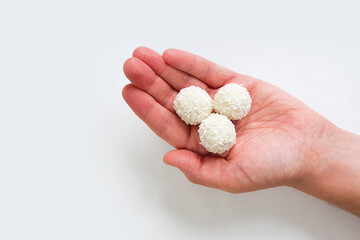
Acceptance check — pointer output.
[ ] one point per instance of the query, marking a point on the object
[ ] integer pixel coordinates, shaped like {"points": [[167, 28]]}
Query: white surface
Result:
{"points": [[75, 162]]}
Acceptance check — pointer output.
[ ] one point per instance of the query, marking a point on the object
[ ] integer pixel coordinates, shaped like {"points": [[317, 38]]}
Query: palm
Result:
{"points": [[272, 141]]}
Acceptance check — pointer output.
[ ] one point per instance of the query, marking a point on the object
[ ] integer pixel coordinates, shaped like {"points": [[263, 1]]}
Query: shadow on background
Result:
{"points": [[206, 209]]}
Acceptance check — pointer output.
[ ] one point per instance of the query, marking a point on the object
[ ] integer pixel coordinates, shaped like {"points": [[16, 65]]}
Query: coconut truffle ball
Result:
{"points": [[193, 104], [233, 101], [217, 133]]}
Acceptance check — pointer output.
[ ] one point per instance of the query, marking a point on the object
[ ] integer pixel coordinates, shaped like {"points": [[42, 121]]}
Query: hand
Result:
{"points": [[275, 141]]}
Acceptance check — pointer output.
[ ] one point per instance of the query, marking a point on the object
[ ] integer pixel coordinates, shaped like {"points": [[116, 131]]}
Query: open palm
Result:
{"points": [[274, 141]]}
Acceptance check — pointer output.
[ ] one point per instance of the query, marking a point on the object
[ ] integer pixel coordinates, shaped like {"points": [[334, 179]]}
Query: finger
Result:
{"points": [[174, 77], [208, 171], [163, 122], [210, 73], [143, 77]]}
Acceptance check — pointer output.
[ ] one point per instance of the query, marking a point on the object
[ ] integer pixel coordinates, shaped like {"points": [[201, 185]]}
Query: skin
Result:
{"points": [[280, 142]]}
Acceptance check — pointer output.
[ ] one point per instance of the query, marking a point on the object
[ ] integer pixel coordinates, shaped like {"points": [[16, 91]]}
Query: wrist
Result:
{"points": [[332, 169]]}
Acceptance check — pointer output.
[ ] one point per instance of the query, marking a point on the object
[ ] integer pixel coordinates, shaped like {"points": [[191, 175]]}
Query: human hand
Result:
{"points": [[275, 141]]}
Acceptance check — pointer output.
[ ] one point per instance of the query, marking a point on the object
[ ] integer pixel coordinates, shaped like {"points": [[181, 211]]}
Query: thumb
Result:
{"points": [[186, 161], [208, 171]]}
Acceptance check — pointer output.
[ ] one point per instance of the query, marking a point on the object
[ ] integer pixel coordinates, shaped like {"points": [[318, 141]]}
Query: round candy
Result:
{"points": [[193, 104], [217, 133], [233, 101]]}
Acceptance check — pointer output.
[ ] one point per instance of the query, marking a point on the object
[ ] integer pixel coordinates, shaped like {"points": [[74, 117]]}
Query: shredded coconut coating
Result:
{"points": [[193, 104], [217, 133], [232, 100]]}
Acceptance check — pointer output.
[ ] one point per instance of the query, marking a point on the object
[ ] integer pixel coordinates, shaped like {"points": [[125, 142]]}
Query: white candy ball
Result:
{"points": [[233, 101], [217, 133], [193, 104]]}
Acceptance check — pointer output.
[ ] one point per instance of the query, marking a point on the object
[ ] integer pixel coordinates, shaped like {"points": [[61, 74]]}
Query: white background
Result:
{"points": [[76, 163]]}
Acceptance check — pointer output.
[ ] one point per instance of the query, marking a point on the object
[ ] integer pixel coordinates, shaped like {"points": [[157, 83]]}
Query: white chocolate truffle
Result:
{"points": [[233, 101], [193, 104], [217, 133]]}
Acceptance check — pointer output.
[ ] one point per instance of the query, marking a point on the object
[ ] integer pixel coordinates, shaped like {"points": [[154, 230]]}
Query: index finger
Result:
{"points": [[210, 73]]}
